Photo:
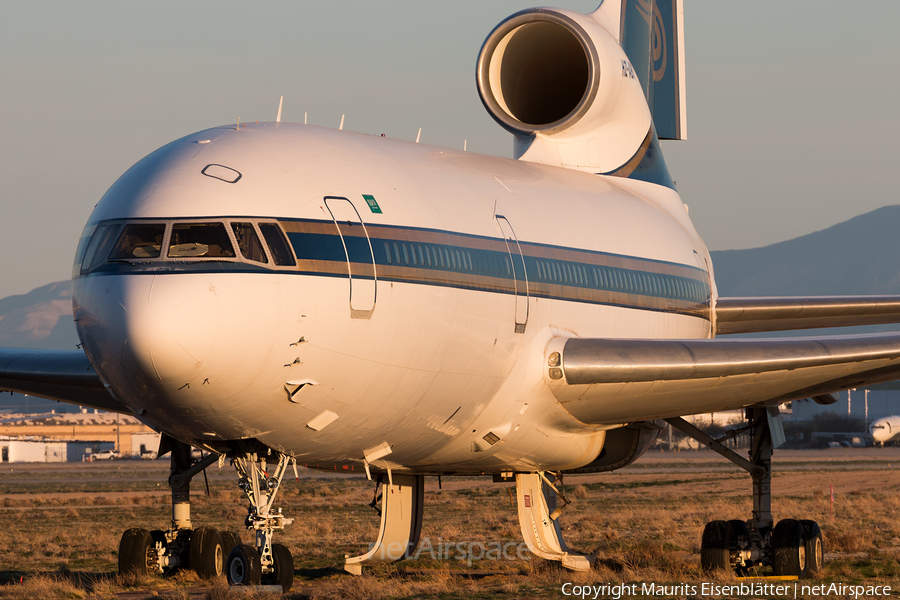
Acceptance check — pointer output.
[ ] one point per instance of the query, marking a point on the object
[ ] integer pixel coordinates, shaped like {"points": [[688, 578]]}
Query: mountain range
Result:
{"points": [[857, 257]]}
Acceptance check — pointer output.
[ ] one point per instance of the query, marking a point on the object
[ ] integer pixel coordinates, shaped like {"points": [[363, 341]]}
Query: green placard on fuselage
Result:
{"points": [[373, 205]]}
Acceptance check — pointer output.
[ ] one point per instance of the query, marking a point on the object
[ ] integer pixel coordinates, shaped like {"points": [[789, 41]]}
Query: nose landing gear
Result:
{"points": [[206, 550], [267, 563]]}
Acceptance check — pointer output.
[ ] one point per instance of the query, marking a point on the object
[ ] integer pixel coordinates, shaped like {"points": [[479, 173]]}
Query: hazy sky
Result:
{"points": [[792, 106]]}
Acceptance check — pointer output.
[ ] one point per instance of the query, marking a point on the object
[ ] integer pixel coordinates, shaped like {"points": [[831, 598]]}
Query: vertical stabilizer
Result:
{"points": [[651, 33]]}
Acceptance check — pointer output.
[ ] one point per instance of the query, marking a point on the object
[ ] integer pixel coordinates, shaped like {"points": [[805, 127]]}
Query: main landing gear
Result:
{"points": [[792, 547], [208, 551], [181, 546]]}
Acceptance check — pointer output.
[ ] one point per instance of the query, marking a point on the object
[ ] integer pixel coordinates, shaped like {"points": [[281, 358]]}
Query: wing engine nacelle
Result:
{"points": [[561, 83], [623, 446]]}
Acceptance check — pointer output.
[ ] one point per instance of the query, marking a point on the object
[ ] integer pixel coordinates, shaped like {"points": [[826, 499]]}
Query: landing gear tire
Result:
{"points": [[715, 546], [283, 573], [134, 552], [789, 556], [206, 555], [815, 547], [740, 538], [243, 566], [230, 540]]}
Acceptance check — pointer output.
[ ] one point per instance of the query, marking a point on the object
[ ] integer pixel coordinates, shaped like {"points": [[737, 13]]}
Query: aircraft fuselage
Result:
{"points": [[426, 287]]}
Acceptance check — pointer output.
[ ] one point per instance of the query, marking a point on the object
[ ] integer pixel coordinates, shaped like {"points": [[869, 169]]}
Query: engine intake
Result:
{"points": [[559, 81], [538, 71]]}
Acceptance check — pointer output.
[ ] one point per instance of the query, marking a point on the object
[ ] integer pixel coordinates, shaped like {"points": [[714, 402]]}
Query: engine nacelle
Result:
{"points": [[623, 446], [561, 83]]}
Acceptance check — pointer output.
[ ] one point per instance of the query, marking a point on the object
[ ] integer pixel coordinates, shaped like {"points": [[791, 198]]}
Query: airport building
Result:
{"points": [[18, 450], [66, 437]]}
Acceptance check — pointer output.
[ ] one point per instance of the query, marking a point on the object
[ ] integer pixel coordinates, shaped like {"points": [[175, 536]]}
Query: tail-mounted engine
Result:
{"points": [[561, 83]]}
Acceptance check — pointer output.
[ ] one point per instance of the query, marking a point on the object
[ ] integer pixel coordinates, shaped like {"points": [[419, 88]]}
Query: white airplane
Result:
{"points": [[278, 293], [885, 430]]}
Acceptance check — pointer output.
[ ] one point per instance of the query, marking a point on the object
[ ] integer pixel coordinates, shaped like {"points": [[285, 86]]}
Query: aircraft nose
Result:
{"points": [[162, 327], [177, 325]]}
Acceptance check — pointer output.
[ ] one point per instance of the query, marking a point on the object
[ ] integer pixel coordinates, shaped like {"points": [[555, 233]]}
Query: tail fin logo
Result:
{"points": [[649, 10]]}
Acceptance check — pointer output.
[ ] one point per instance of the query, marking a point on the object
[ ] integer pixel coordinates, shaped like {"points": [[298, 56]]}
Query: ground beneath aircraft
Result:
{"points": [[60, 526]]}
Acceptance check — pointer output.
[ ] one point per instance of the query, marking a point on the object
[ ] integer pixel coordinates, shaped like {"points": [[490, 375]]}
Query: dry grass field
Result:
{"points": [[60, 526]]}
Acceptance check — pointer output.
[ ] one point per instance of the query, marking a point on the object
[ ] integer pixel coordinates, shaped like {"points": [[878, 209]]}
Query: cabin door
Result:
{"points": [[361, 272], [518, 272]]}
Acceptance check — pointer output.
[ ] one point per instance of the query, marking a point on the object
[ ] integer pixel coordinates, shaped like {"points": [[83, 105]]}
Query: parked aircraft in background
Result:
{"points": [[277, 293], [885, 430]]}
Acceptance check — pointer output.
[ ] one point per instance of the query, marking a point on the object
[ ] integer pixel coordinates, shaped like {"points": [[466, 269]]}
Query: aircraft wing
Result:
{"points": [[753, 315], [609, 382], [66, 376]]}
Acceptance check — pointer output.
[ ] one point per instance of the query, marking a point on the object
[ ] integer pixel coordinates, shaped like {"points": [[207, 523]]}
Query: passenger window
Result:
{"points": [[207, 240], [139, 241], [405, 254], [248, 242], [282, 255], [396, 253], [387, 252]]}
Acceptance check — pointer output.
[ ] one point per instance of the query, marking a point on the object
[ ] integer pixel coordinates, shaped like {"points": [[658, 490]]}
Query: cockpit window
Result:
{"points": [[207, 240], [281, 252], [99, 247], [138, 241], [248, 242]]}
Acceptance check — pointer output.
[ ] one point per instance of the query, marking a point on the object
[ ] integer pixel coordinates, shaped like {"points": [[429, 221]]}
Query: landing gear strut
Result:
{"points": [[264, 562], [792, 547], [181, 546]]}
